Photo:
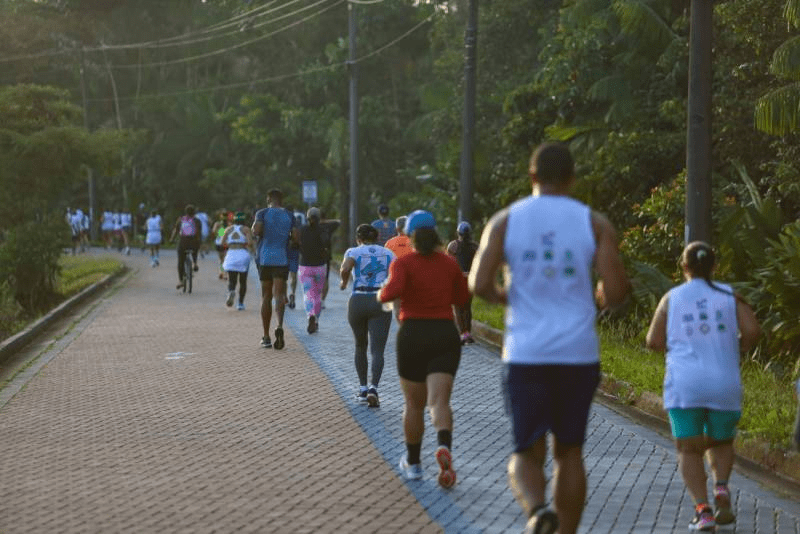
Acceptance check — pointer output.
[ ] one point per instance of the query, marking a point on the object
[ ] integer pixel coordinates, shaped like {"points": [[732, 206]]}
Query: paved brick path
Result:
{"points": [[159, 412]]}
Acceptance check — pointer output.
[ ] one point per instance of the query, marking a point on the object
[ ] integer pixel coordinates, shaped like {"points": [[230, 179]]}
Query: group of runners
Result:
{"points": [[78, 223], [539, 257]]}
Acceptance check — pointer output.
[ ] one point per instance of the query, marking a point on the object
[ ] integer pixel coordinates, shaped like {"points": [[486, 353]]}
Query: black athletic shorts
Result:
{"points": [[267, 273], [555, 398], [426, 346]]}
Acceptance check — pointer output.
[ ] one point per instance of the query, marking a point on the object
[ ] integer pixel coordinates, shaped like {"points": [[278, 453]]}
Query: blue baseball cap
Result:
{"points": [[419, 219], [464, 228]]}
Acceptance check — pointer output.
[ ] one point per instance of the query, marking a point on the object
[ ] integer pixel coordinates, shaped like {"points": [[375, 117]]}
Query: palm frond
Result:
{"points": [[791, 12], [640, 21], [610, 88], [786, 59], [778, 112]]}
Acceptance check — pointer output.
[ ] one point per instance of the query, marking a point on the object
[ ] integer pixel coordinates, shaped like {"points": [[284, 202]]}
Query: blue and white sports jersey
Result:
{"points": [[371, 267]]}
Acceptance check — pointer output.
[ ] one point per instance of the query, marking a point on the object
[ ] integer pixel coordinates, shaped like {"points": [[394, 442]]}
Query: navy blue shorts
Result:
{"points": [[555, 398]]}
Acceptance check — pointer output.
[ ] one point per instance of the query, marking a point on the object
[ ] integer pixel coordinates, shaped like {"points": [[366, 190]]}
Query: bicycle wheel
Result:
{"points": [[189, 274]]}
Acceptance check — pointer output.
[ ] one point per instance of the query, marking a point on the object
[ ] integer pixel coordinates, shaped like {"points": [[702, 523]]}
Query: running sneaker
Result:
{"points": [[447, 476], [723, 514], [463, 339], [180, 285], [240, 306], [196, 268], [361, 395], [372, 397], [231, 296], [266, 343], [703, 518], [410, 471], [291, 302], [542, 521], [279, 343], [312, 324], [469, 340]]}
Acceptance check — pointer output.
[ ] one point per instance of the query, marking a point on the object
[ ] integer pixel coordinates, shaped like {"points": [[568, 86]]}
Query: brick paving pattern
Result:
{"points": [[159, 412]]}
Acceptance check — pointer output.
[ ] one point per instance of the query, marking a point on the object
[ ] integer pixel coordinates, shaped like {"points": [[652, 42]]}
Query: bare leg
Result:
{"points": [[266, 305], [439, 386], [569, 487], [279, 286], [693, 470], [526, 476], [415, 394], [720, 457]]}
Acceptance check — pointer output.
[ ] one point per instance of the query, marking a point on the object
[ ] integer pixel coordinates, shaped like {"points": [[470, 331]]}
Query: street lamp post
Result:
{"points": [[698, 135], [468, 141]]}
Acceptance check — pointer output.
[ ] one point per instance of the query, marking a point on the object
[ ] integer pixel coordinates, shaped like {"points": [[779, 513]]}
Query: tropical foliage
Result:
{"points": [[234, 97]]}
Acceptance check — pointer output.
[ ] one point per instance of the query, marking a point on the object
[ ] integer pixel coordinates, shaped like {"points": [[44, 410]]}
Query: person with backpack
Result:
{"points": [[189, 229], [463, 251]]}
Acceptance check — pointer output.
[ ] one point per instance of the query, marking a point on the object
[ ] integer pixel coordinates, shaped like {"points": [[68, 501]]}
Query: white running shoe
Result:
{"points": [[410, 471]]}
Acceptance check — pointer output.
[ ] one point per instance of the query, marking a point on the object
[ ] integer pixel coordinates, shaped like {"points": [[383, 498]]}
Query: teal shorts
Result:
{"points": [[691, 422]]}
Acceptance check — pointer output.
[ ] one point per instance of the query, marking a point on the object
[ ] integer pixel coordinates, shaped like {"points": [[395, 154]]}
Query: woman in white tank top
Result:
{"points": [[702, 325]]}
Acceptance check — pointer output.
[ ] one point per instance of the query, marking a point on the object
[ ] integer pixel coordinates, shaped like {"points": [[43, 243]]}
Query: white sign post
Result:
{"points": [[310, 191]]}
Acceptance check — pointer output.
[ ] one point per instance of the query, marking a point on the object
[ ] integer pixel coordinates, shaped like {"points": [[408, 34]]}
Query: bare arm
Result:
{"points": [[344, 273], [488, 260], [749, 328], [608, 262], [657, 333]]}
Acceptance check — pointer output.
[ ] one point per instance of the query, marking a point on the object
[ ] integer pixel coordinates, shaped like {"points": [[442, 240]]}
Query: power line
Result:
{"points": [[239, 45], [277, 77], [181, 40]]}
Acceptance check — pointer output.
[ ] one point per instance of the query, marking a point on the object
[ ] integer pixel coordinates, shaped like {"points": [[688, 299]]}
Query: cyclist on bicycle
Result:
{"points": [[189, 228]]}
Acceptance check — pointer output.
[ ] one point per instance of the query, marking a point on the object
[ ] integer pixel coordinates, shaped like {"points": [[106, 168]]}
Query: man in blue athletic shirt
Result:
{"points": [[274, 227]]}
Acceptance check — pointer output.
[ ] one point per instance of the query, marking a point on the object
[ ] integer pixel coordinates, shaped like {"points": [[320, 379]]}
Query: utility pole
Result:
{"points": [[90, 172], [468, 140], [353, 68], [698, 137]]}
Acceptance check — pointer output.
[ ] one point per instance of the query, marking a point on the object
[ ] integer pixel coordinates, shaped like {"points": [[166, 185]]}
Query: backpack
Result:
{"points": [[188, 228]]}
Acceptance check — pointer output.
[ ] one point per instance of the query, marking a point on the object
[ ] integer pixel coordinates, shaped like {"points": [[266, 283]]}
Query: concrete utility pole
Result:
{"points": [[90, 172], [468, 141], [353, 123], [698, 138]]}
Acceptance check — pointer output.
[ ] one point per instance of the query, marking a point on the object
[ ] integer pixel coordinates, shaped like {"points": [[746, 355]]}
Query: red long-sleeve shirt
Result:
{"points": [[427, 286]]}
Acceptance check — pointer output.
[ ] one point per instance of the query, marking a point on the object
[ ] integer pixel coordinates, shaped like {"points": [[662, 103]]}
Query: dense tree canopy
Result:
{"points": [[237, 96]]}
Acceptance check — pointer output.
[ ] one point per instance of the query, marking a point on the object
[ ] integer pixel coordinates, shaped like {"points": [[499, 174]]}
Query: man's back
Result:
{"points": [[277, 226]]}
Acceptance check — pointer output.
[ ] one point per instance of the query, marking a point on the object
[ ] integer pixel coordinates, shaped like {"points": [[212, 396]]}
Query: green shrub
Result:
{"points": [[10, 311], [29, 261]]}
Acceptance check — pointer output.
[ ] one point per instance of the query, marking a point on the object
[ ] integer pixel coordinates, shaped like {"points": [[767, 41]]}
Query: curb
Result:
{"points": [[494, 337], [15, 343]]}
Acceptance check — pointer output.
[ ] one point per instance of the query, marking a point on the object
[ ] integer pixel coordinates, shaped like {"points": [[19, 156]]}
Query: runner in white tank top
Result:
{"points": [[698, 324], [550, 243]]}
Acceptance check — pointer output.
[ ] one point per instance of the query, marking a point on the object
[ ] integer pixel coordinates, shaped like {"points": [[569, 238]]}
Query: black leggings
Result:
{"points": [[370, 326], [233, 276]]}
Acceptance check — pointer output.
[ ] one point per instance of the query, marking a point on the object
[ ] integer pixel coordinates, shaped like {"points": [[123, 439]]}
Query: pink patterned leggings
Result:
{"points": [[313, 279]]}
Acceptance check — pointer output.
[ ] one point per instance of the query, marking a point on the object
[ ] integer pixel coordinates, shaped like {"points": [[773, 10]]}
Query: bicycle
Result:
{"points": [[188, 271]]}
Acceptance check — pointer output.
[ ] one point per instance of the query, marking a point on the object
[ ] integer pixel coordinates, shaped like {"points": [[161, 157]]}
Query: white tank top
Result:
{"points": [[154, 224], [549, 248], [702, 348], [237, 236]]}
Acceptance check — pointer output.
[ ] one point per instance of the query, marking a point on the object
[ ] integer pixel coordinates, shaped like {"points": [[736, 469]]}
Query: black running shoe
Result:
{"points": [[372, 398], [266, 343], [279, 343], [543, 521], [291, 302], [312, 324]]}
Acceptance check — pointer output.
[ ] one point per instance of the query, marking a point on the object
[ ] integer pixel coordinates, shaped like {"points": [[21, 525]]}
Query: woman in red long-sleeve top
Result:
{"points": [[428, 283]]}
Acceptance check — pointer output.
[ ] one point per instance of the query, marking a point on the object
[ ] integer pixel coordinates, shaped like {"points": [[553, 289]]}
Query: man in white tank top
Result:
{"points": [[550, 243]]}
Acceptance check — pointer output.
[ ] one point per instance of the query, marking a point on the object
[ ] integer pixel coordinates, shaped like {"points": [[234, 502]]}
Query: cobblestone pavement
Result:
{"points": [[160, 412]]}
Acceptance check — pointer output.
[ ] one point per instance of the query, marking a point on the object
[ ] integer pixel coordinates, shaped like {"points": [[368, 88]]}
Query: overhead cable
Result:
{"points": [[277, 77]]}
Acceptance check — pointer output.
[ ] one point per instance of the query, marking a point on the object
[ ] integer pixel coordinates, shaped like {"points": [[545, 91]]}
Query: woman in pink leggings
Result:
{"points": [[315, 243]]}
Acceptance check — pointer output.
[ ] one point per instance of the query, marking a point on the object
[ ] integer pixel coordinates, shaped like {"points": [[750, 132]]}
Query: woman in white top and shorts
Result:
{"points": [[154, 226], [238, 240], [702, 325]]}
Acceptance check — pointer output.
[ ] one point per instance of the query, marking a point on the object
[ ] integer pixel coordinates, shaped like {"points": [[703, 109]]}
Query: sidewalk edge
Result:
{"points": [[761, 473], [15, 343]]}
